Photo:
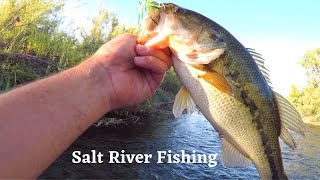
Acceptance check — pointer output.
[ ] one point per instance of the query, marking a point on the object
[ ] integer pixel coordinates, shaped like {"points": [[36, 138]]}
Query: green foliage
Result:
{"points": [[15, 74], [171, 82], [311, 62], [295, 97], [167, 91], [20, 20], [160, 96], [124, 29], [31, 33], [32, 27], [307, 100], [104, 27]]}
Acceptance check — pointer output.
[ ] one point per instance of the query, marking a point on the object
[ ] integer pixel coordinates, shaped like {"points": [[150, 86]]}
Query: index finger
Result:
{"points": [[164, 54]]}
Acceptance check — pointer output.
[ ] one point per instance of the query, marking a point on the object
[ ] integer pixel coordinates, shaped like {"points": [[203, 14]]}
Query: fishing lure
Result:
{"points": [[145, 6]]}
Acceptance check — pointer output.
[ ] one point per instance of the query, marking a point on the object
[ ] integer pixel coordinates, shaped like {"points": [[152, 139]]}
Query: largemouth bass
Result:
{"points": [[230, 86]]}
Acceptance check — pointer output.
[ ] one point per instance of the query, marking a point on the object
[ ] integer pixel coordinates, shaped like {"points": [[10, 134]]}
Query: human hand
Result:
{"points": [[133, 72], [61, 107]]}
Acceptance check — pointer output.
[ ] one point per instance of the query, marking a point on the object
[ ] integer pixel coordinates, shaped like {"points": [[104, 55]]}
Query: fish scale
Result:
{"points": [[231, 117], [267, 119]]}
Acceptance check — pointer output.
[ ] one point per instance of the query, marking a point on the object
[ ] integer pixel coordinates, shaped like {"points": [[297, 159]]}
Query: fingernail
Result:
{"points": [[142, 48]]}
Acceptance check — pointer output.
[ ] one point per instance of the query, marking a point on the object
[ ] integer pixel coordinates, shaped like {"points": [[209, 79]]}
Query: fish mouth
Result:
{"points": [[155, 12], [151, 22]]}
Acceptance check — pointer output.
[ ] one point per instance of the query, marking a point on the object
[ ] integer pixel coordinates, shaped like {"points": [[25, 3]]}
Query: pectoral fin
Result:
{"points": [[231, 157], [183, 101], [216, 80]]}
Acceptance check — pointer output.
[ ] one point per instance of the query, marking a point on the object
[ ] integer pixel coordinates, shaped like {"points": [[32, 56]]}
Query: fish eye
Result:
{"points": [[179, 10]]}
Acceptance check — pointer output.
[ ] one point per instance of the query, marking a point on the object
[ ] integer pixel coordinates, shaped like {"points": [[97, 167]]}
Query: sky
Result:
{"points": [[282, 31]]}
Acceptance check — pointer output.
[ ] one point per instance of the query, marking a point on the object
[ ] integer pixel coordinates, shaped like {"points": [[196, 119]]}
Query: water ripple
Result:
{"points": [[190, 132]]}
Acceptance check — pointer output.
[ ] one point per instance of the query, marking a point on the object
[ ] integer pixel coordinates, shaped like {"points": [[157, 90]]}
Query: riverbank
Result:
{"points": [[135, 116], [160, 110]]}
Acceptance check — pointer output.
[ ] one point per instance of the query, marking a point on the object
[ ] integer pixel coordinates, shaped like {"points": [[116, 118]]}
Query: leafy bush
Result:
{"points": [[307, 100]]}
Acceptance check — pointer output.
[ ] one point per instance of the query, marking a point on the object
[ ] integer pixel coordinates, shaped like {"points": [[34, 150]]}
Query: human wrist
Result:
{"points": [[98, 80]]}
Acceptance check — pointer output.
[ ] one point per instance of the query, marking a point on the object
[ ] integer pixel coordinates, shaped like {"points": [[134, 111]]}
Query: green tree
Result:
{"points": [[100, 32], [124, 29], [24, 24], [31, 44], [307, 100], [296, 97], [104, 27], [311, 62]]}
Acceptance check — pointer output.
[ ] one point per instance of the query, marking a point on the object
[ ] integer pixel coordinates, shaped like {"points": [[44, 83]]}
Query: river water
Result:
{"points": [[191, 133]]}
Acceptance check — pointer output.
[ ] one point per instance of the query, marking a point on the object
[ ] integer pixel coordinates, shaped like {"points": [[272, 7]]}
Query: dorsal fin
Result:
{"points": [[290, 117], [261, 64]]}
